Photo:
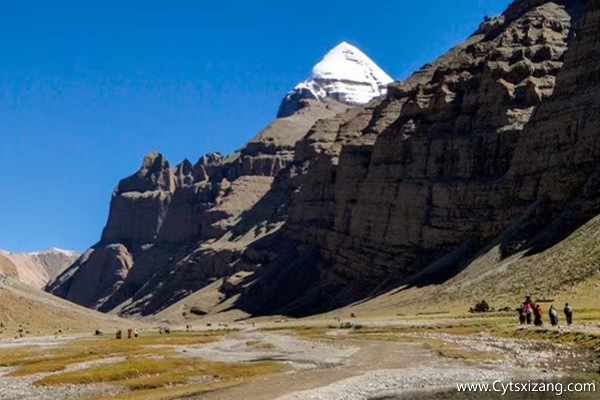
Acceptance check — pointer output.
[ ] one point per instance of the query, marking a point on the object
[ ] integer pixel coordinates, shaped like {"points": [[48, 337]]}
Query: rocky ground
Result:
{"points": [[373, 362], [372, 369], [22, 388]]}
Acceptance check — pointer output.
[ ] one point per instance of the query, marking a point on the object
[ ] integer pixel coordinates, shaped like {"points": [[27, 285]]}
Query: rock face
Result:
{"points": [[36, 269], [564, 131], [93, 286], [463, 152], [172, 230], [495, 142], [385, 190], [345, 74]]}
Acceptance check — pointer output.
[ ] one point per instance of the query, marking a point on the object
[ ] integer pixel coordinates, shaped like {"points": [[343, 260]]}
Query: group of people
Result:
{"points": [[130, 332], [532, 313], [133, 333]]}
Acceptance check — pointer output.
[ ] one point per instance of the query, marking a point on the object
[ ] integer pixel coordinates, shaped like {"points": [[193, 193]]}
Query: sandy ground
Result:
{"points": [[44, 341]]}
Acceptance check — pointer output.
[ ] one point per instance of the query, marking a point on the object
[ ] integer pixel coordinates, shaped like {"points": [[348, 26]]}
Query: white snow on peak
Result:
{"points": [[54, 250], [347, 75]]}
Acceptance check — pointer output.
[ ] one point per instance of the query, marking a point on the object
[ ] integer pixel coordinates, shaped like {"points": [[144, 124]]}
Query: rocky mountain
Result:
{"points": [[36, 269], [173, 230], [345, 74], [493, 145]]}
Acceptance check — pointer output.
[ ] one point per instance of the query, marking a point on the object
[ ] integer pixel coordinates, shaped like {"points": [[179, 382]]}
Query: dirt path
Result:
{"points": [[364, 356], [371, 368], [44, 341]]}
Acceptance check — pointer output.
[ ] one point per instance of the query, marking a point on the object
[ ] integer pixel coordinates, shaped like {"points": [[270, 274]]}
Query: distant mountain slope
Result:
{"points": [[36, 312], [36, 269]]}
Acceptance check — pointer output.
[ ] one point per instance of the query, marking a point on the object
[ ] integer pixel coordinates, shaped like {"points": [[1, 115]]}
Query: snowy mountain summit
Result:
{"points": [[345, 74]]}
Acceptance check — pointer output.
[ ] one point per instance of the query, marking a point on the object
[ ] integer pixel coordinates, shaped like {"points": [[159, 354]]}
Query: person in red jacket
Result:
{"points": [[528, 312], [537, 310]]}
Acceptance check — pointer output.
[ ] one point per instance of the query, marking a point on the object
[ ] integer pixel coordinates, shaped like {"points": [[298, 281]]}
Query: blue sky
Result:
{"points": [[88, 88]]}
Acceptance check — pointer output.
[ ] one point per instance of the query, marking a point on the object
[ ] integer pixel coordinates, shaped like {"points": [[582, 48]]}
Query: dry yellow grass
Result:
{"points": [[151, 373], [172, 393], [34, 360], [589, 341], [258, 344], [38, 313], [450, 350], [147, 367], [443, 348]]}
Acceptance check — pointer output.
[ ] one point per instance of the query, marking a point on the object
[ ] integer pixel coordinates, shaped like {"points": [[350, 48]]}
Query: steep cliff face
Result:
{"points": [[414, 177], [173, 230], [273, 148], [564, 136], [91, 287], [422, 180]]}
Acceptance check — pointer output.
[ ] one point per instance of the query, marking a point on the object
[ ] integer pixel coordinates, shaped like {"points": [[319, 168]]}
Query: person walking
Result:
{"points": [[528, 313], [553, 315], [528, 300], [522, 314], [537, 317], [568, 314]]}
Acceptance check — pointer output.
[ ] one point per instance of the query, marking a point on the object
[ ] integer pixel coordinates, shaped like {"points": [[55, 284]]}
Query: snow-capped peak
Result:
{"points": [[345, 74], [54, 250], [348, 64]]}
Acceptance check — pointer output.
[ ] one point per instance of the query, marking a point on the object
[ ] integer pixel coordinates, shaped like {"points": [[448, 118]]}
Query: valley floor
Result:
{"points": [[301, 359]]}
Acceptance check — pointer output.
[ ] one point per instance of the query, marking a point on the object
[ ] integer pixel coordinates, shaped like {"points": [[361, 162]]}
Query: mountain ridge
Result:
{"points": [[36, 269]]}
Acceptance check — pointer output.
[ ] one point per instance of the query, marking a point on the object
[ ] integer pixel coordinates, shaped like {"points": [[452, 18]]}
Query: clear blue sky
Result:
{"points": [[88, 88]]}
